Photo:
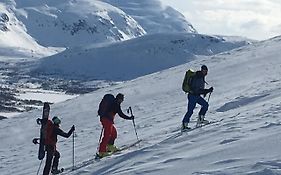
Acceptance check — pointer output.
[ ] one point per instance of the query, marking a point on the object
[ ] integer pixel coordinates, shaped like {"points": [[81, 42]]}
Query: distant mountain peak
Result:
{"points": [[154, 16], [43, 24], [72, 23]]}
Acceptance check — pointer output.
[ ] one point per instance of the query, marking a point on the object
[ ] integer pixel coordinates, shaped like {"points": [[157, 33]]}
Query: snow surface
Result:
{"points": [[140, 56], [247, 141], [43, 95]]}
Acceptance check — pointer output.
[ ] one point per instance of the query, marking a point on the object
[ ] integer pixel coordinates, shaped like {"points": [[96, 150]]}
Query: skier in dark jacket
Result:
{"points": [[110, 132], [52, 132], [197, 86]]}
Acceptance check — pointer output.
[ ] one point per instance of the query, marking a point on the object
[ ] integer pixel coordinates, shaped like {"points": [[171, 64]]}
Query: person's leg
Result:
{"points": [[113, 135], [191, 105], [49, 159], [107, 126], [111, 147], [56, 160], [204, 106]]}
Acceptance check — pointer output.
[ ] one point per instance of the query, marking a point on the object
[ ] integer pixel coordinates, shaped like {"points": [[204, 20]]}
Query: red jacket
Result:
{"points": [[52, 132], [115, 109]]}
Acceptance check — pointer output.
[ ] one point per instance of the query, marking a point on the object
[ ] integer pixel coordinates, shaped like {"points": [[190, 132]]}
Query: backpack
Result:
{"points": [[105, 104], [49, 137], [187, 80]]}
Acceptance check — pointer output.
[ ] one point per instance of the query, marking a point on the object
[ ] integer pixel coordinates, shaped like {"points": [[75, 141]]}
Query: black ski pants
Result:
{"points": [[52, 159]]}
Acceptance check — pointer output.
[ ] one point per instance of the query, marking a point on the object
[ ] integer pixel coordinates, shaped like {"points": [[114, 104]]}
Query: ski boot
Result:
{"points": [[185, 127], [201, 120], [102, 155], [112, 148], [57, 171]]}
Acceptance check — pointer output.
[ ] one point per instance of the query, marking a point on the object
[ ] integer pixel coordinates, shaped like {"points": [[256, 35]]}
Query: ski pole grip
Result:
{"points": [[38, 121], [35, 141], [130, 109]]}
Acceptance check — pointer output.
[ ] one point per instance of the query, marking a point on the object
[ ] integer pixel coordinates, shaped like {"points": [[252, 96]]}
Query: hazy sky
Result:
{"points": [[256, 19]]}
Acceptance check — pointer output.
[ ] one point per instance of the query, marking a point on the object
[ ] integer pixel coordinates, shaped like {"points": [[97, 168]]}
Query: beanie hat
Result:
{"points": [[204, 67], [120, 96]]}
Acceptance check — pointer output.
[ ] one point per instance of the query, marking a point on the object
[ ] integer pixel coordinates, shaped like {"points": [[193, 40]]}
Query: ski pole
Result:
{"points": [[100, 139], [130, 109], [73, 152], [39, 167], [209, 97], [135, 129]]}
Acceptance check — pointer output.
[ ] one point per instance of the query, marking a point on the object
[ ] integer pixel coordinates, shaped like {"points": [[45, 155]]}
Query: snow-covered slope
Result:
{"points": [[153, 16], [70, 23], [134, 58], [14, 40], [247, 141]]}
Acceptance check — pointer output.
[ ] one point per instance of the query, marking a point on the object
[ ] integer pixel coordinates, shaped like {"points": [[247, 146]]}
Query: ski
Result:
{"points": [[120, 150], [178, 132], [42, 121], [129, 146], [93, 160], [200, 125]]}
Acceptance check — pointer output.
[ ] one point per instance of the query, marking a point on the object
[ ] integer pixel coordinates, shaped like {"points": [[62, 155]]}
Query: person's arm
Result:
{"points": [[122, 115], [206, 91], [64, 134]]}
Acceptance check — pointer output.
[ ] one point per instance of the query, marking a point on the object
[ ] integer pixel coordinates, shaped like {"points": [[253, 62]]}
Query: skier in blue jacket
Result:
{"points": [[197, 86]]}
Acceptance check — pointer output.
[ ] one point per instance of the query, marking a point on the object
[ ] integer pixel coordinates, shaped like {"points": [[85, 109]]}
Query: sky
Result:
{"points": [[255, 19]]}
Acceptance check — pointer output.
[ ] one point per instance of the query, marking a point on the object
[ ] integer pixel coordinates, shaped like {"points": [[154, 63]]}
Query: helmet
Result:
{"points": [[56, 120]]}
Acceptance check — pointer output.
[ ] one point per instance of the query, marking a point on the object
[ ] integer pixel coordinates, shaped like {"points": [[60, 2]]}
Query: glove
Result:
{"points": [[211, 89], [72, 128], [35, 141], [205, 92], [132, 117]]}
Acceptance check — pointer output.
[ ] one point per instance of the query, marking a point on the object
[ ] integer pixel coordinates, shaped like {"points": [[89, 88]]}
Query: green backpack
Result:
{"points": [[186, 81]]}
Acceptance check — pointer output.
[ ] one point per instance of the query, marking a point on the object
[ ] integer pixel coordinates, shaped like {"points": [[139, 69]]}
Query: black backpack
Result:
{"points": [[106, 104]]}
